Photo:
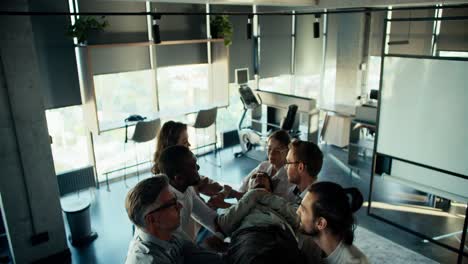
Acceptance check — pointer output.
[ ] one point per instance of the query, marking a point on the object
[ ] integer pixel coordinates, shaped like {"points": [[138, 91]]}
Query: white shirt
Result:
{"points": [[346, 254], [193, 209], [280, 179]]}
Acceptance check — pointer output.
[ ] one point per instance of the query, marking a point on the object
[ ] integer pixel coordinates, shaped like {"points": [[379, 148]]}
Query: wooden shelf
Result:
{"points": [[150, 43]]}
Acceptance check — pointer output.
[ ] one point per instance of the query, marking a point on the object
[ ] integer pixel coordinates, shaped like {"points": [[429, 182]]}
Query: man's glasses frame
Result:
{"points": [[292, 162]]}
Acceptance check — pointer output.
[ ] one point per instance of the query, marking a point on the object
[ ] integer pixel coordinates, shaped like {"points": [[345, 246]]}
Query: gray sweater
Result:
{"points": [[258, 208]]}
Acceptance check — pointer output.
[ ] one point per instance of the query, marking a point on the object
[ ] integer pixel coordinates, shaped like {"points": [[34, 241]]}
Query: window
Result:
{"points": [[69, 141], [119, 95], [112, 154], [373, 74], [183, 86], [299, 85], [453, 54]]}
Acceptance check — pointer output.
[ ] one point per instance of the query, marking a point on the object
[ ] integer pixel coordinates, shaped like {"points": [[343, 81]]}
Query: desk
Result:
{"points": [[163, 114], [336, 126], [277, 108]]}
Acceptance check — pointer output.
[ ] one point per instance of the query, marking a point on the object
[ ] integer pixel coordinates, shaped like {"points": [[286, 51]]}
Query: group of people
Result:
{"points": [[282, 214]]}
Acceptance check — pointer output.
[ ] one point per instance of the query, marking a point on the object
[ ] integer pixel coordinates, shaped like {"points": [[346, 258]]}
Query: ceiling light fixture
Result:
{"points": [[317, 26], [156, 33], [249, 26]]}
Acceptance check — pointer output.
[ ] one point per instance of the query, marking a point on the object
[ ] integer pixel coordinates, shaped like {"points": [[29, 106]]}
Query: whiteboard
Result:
{"points": [[429, 181], [424, 112]]}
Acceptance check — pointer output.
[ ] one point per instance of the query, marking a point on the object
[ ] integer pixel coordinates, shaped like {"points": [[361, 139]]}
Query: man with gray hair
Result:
{"points": [[155, 212]]}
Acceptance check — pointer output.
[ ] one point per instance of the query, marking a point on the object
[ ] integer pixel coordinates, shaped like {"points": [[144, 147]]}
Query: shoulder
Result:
{"points": [[138, 252], [357, 255], [191, 191], [348, 254], [140, 258]]}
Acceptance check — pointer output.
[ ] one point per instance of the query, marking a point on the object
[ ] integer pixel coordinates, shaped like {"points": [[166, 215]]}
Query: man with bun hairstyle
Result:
{"points": [[326, 214]]}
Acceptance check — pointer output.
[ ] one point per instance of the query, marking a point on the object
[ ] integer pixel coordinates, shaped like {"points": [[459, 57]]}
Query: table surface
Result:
{"points": [[340, 109], [162, 114]]}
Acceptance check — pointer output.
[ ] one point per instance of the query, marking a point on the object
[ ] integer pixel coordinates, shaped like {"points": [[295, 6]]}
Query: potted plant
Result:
{"points": [[221, 27], [83, 26]]}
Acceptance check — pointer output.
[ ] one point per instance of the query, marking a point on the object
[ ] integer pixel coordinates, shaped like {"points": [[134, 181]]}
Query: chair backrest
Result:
{"points": [[146, 130], [206, 118], [288, 121]]}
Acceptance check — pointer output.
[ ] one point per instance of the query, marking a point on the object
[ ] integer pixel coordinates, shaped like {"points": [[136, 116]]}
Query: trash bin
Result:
{"points": [[79, 220]]}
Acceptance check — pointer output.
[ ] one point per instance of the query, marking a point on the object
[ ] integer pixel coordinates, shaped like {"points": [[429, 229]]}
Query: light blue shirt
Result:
{"points": [[146, 248]]}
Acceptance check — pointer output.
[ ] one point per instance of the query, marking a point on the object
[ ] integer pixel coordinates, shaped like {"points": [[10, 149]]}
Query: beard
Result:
{"points": [[195, 180], [313, 233]]}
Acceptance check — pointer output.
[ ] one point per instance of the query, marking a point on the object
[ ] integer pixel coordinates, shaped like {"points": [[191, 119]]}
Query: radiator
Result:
{"points": [[75, 180]]}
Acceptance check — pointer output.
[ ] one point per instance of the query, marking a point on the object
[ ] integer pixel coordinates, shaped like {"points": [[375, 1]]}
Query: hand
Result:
{"points": [[208, 187], [236, 194], [217, 201], [226, 190]]}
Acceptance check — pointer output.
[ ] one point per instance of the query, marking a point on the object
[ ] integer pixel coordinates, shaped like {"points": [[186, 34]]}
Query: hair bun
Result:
{"points": [[356, 198]]}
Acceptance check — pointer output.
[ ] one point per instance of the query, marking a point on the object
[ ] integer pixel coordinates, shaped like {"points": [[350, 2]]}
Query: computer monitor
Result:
{"points": [[242, 76]]}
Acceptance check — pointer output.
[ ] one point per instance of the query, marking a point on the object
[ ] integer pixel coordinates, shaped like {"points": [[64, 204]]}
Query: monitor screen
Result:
{"points": [[242, 76]]}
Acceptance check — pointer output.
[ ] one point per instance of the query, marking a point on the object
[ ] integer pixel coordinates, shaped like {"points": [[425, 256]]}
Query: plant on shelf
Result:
{"points": [[221, 27], [83, 26]]}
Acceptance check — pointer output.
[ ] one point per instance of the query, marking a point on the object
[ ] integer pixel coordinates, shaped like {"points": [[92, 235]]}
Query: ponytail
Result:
{"points": [[356, 198]]}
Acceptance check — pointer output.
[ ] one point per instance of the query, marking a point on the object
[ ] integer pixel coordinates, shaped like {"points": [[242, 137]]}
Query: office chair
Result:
{"points": [[144, 131], [206, 118]]}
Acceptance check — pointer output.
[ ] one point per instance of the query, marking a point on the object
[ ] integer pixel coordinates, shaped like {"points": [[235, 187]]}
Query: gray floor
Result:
{"points": [[111, 223]]}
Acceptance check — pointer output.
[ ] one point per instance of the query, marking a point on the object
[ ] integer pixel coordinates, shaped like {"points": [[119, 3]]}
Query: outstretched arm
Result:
{"points": [[203, 214], [233, 216], [282, 207]]}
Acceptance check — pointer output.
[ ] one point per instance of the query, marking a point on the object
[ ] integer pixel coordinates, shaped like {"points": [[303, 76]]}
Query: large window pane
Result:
{"points": [[300, 85], [67, 129], [373, 74], [183, 86], [112, 154], [119, 95]]}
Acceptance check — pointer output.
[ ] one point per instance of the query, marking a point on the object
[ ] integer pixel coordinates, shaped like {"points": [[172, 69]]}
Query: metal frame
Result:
{"points": [[277, 13], [460, 250]]}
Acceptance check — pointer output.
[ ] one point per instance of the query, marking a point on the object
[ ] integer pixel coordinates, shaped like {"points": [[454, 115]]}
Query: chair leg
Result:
{"points": [[216, 148], [136, 160], [125, 167], [204, 143], [196, 142], [107, 182]]}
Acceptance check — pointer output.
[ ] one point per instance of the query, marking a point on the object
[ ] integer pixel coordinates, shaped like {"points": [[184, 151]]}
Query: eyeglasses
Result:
{"points": [[173, 202], [292, 162]]}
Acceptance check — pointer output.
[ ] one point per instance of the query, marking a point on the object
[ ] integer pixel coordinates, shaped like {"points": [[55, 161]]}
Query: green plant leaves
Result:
{"points": [[221, 27], [82, 27]]}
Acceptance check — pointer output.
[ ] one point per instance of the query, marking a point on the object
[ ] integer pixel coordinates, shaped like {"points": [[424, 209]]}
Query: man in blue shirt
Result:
{"points": [[155, 212]]}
